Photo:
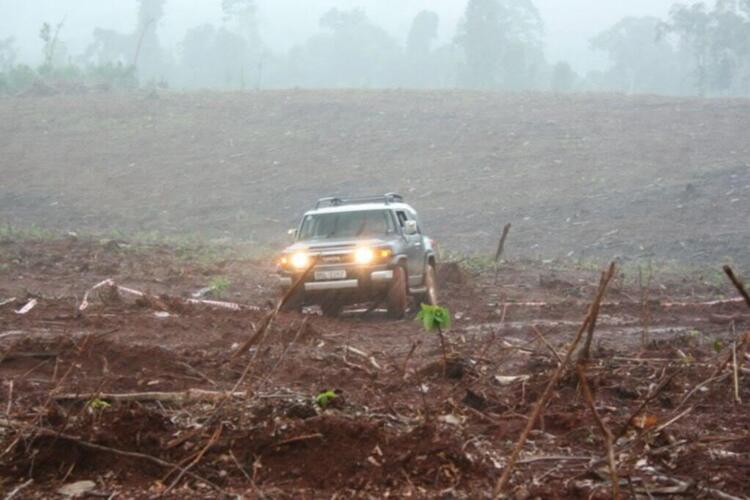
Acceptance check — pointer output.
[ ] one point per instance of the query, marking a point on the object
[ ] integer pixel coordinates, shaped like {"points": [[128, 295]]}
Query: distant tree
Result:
{"points": [[481, 34], [718, 41], [349, 52], [149, 57], [502, 42], [213, 58], [524, 54], [244, 15], [422, 35], [7, 54], [563, 78], [241, 16], [642, 60], [421, 70], [110, 47]]}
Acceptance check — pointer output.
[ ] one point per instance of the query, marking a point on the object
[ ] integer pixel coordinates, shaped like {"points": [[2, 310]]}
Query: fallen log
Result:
{"points": [[189, 396], [11, 356]]}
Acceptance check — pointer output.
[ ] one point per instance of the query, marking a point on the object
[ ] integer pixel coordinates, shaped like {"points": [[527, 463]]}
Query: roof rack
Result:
{"points": [[335, 201]]}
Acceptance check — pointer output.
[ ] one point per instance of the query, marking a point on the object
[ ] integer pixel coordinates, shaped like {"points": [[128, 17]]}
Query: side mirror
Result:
{"points": [[410, 227], [292, 233]]}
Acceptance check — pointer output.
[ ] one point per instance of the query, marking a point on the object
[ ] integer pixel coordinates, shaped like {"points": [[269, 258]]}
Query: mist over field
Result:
{"points": [[658, 46]]}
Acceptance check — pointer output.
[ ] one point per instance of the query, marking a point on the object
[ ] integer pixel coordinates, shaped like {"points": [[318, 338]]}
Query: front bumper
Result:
{"points": [[356, 279]]}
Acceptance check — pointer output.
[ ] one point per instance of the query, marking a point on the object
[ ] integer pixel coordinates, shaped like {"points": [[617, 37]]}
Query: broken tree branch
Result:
{"points": [[189, 396], [542, 401], [737, 284], [260, 333], [606, 433]]}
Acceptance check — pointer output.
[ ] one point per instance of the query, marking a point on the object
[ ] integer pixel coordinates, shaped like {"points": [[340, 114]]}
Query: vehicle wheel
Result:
{"points": [[430, 297], [331, 308], [294, 303], [396, 300]]}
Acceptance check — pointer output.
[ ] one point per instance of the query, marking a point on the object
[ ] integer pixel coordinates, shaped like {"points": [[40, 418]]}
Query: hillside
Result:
{"points": [[581, 175]]}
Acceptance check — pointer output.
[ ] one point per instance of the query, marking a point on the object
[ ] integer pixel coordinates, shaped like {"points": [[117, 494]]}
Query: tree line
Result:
{"points": [[699, 49]]}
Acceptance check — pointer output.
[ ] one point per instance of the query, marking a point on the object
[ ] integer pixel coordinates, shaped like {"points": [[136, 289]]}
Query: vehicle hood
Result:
{"points": [[334, 244]]}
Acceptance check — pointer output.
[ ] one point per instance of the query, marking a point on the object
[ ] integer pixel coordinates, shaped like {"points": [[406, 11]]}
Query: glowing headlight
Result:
{"points": [[300, 260], [364, 255]]}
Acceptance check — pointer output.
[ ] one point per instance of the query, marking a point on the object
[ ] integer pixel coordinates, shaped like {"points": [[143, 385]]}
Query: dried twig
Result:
{"points": [[547, 344], [608, 439], [297, 439], [542, 401], [737, 284], [43, 431], [214, 438], [190, 395], [500, 248], [655, 392], [264, 326], [17, 489]]}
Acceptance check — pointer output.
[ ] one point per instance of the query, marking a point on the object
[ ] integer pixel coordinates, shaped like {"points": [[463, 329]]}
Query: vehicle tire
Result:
{"points": [[430, 297], [294, 303], [396, 300], [331, 308]]}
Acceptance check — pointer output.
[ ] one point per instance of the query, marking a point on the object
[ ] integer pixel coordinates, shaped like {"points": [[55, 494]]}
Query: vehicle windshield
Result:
{"points": [[354, 224]]}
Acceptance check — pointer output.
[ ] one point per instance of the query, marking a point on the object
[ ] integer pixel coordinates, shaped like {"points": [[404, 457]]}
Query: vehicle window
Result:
{"points": [[402, 218], [347, 225]]}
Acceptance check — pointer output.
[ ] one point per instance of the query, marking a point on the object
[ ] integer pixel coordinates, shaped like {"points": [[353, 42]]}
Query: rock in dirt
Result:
{"points": [[77, 489]]}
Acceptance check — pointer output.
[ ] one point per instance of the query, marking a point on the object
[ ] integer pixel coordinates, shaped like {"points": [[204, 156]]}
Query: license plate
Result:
{"points": [[330, 275]]}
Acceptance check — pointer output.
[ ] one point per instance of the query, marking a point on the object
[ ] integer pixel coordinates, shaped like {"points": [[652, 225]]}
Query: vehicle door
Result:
{"points": [[414, 246]]}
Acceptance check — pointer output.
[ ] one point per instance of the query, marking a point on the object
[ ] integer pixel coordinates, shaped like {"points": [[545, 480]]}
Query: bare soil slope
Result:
{"points": [[639, 177]]}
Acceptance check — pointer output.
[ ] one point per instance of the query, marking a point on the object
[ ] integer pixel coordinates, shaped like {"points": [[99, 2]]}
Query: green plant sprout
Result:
{"points": [[98, 404], [219, 285], [324, 398], [436, 318]]}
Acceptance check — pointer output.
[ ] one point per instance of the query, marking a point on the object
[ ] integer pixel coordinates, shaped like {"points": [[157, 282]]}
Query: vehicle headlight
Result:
{"points": [[364, 255], [301, 260]]}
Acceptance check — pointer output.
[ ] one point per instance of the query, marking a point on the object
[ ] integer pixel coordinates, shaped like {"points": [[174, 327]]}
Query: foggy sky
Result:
{"points": [[569, 24]]}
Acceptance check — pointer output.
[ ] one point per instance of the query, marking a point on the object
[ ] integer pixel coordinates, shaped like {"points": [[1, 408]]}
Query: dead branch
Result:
{"points": [[196, 372], [585, 351], [608, 439], [737, 284], [189, 396], [500, 249], [547, 344], [297, 439], [18, 488], [11, 356], [283, 353], [43, 431], [260, 333], [214, 438], [414, 346], [501, 243], [735, 375], [542, 401], [650, 397]]}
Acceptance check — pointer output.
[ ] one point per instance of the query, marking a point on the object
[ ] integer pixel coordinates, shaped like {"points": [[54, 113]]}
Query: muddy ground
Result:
{"points": [[399, 426], [587, 175]]}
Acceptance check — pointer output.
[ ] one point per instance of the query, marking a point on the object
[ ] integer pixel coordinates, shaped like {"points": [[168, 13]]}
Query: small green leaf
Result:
{"points": [[433, 317], [718, 345], [98, 404], [324, 398]]}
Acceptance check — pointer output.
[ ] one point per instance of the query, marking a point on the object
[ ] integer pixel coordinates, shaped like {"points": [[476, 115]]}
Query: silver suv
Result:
{"points": [[360, 250]]}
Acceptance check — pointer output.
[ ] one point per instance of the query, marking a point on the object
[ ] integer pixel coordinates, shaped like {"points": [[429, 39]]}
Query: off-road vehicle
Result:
{"points": [[359, 250]]}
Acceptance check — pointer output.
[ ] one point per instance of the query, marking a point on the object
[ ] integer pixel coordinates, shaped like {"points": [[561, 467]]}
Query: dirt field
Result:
{"points": [[580, 176], [399, 426]]}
